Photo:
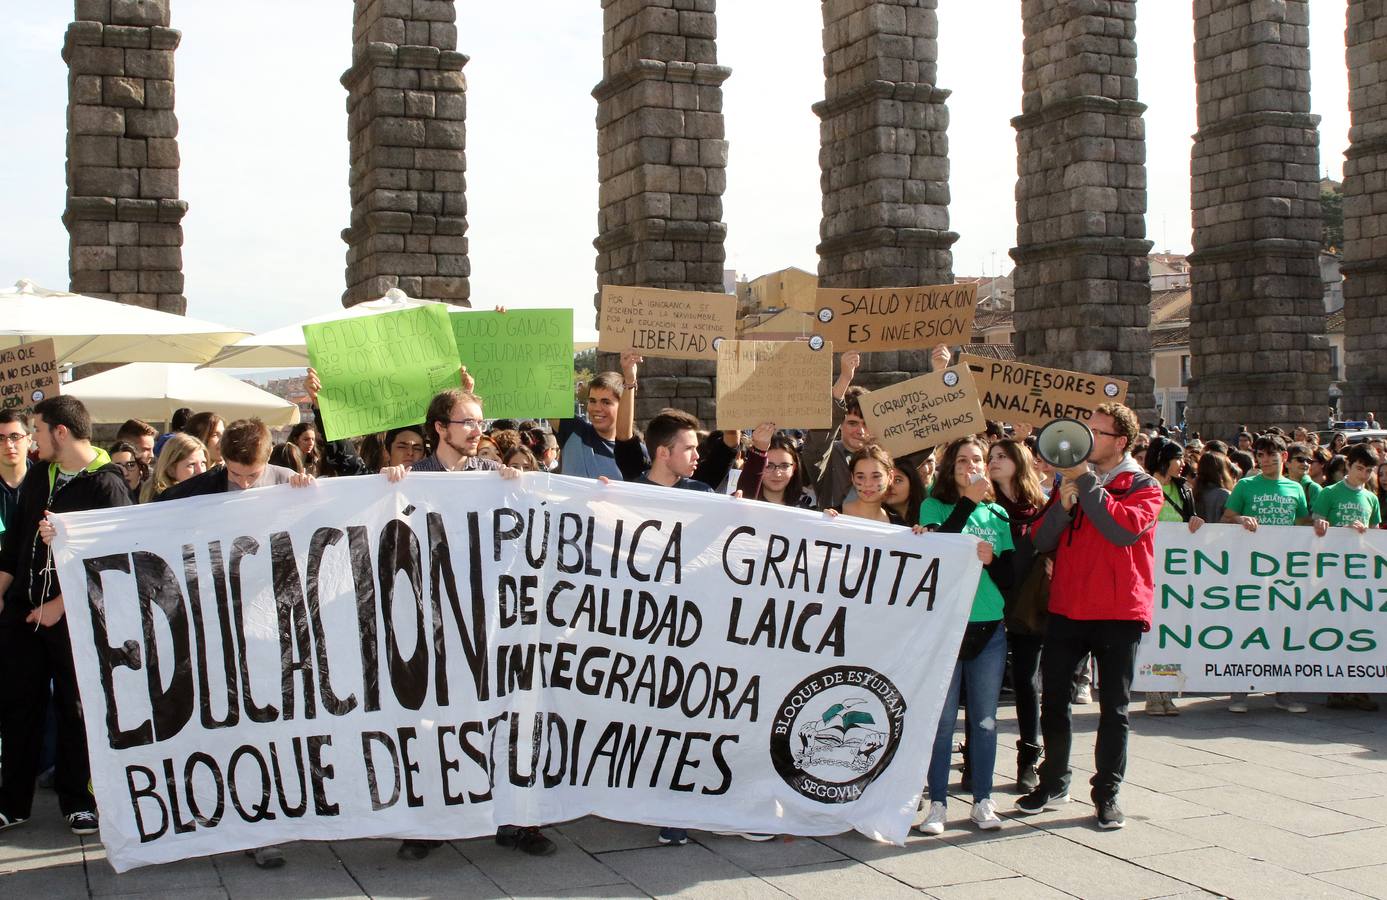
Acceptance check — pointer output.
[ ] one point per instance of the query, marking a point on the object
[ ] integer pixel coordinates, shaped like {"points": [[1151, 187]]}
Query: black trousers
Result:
{"points": [[29, 662], [1025, 681], [1114, 647]]}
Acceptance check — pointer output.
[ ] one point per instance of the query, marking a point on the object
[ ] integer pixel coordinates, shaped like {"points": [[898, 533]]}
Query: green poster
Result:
{"points": [[522, 361], [380, 372]]}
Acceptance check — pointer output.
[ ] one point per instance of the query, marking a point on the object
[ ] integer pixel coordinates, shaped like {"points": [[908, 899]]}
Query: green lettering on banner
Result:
{"points": [[380, 372], [522, 361]]}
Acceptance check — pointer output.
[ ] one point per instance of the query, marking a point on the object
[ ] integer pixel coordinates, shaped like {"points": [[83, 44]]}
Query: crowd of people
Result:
{"points": [[1067, 555]]}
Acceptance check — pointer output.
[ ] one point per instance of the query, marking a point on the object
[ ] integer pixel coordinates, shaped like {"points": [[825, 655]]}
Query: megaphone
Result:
{"points": [[1064, 443]]}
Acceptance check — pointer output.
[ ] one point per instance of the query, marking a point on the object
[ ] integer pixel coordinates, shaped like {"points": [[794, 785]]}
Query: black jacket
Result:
{"points": [[23, 553]]}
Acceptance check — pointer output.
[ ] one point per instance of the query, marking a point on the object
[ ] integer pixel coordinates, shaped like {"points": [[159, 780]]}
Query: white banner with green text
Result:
{"points": [[1279, 609]]}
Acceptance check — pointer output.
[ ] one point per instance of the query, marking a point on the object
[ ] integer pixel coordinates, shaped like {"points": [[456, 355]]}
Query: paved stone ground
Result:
{"points": [[1263, 805]]}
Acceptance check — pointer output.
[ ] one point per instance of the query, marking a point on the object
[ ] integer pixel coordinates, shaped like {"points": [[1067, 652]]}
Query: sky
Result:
{"points": [[263, 142]]}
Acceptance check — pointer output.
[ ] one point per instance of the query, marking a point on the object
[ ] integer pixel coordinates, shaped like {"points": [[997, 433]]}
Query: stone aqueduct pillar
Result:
{"points": [[1082, 282], [406, 108], [123, 214], [883, 158], [662, 164], [1365, 211], [1257, 324]]}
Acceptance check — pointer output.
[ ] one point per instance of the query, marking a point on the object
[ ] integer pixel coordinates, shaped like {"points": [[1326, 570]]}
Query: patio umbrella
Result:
{"points": [[152, 391], [90, 330], [284, 348]]}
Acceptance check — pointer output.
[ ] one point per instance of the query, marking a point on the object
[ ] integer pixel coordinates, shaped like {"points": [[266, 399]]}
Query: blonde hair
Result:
{"points": [[177, 448]]}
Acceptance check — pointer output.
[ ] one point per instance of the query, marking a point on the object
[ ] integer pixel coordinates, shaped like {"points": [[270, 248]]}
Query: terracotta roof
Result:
{"points": [[1335, 323], [1171, 306], [1162, 338], [992, 319], [991, 351]]}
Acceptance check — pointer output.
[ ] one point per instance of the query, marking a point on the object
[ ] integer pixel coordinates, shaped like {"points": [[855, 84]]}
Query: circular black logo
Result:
{"points": [[717, 342], [825, 314], [950, 379], [816, 342], [1110, 389], [836, 732]]}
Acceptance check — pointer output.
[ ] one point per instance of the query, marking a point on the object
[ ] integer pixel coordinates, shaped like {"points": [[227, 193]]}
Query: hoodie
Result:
{"points": [[23, 553]]}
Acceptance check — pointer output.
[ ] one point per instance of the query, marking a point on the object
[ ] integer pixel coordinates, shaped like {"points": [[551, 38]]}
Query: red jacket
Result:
{"points": [[1105, 548]]}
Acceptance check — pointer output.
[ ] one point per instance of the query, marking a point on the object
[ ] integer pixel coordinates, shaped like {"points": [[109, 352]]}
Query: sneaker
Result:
{"points": [[82, 822], [1083, 693], [1340, 701], [1110, 814], [1169, 703], [934, 821], [526, 839], [1237, 703], [416, 850], [11, 821], [1039, 800], [267, 857], [1290, 704], [985, 816], [1155, 706], [748, 835], [1364, 702], [1027, 777], [674, 837]]}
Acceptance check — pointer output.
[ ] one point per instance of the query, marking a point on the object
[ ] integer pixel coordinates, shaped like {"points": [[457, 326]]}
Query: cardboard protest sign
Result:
{"points": [[380, 372], [432, 658], [28, 373], [785, 382], [1278, 609], [665, 324], [924, 411], [521, 360], [1019, 392], [908, 318]]}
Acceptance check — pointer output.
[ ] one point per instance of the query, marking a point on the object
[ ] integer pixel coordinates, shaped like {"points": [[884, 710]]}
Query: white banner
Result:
{"points": [[1276, 610], [438, 657]]}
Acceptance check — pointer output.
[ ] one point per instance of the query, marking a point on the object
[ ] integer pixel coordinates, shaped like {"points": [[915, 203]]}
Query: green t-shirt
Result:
{"points": [[1343, 505], [988, 522], [1278, 502], [1169, 512], [1312, 489]]}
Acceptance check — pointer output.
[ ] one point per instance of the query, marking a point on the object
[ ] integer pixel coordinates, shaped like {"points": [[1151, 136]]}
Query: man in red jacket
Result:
{"points": [[1103, 535]]}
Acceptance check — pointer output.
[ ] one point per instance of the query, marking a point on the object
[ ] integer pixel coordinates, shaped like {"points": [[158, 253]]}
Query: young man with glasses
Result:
{"points": [[14, 460], [1103, 535], [1267, 498], [455, 422], [35, 650]]}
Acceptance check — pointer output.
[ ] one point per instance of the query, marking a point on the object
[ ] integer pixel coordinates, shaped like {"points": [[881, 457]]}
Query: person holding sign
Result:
{"points": [[772, 472], [1103, 535], [959, 503], [1267, 498], [1350, 504], [35, 651]]}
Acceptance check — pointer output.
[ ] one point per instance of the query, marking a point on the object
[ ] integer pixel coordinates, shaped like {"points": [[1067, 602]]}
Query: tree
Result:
{"points": [[1332, 208]]}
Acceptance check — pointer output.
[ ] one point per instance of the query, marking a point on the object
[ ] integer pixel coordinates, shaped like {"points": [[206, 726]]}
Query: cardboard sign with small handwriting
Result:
{"points": [[28, 373], [665, 324], [1019, 392], [907, 318], [924, 411], [789, 383]]}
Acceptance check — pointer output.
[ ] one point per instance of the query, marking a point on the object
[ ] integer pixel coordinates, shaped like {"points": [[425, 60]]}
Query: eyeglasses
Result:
{"points": [[779, 467], [131, 465], [14, 438], [472, 424], [1300, 459]]}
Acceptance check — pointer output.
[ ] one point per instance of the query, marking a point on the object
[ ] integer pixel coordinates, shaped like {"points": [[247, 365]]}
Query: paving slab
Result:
{"points": [[835, 880], [59, 882], [597, 835], [762, 856], [310, 869], [182, 879], [1234, 875], [1260, 841], [1371, 881], [1287, 784], [1011, 888], [1371, 808], [1077, 869], [691, 871], [380, 874], [1136, 840], [1302, 818], [516, 873], [1271, 755]]}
